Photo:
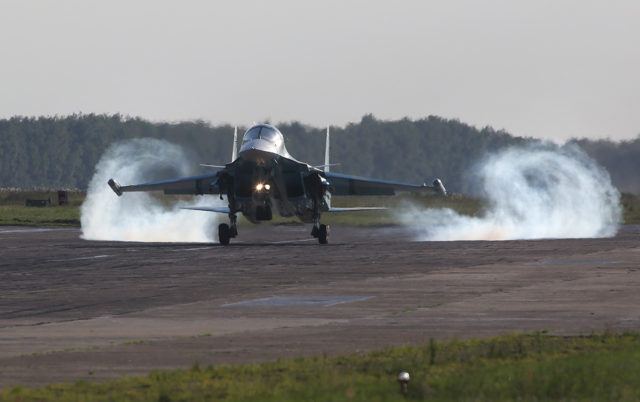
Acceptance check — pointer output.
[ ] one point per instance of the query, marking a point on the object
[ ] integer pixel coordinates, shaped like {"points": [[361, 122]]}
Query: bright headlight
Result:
{"points": [[259, 186], [267, 187]]}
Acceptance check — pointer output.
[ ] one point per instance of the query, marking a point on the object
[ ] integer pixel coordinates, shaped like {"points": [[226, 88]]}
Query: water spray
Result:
{"points": [[533, 192], [141, 216]]}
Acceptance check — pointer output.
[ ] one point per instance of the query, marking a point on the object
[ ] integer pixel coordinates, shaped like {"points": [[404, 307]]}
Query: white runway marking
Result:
{"points": [[82, 258], [26, 230], [291, 241], [571, 262], [449, 319], [299, 301], [192, 249]]}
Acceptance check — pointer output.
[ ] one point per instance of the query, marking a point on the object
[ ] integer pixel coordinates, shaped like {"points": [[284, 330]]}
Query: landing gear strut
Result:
{"points": [[233, 229]]}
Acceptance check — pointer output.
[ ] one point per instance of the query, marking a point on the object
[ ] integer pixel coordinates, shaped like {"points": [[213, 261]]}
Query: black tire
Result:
{"points": [[323, 234], [224, 234]]}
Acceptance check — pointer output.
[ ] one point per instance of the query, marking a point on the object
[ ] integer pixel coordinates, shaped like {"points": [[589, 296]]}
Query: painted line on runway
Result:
{"points": [[26, 230], [192, 249], [290, 241], [93, 257], [497, 319], [299, 301], [571, 262], [39, 230]]}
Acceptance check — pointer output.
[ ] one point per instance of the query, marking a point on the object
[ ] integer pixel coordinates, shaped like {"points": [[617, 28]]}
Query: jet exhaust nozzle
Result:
{"points": [[115, 186], [437, 183]]}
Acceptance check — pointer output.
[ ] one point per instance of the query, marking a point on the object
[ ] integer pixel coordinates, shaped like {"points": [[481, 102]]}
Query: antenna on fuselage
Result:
{"points": [[234, 153], [326, 153]]}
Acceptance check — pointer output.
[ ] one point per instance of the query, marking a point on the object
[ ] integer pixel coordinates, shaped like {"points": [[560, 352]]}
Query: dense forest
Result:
{"points": [[61, 152]]}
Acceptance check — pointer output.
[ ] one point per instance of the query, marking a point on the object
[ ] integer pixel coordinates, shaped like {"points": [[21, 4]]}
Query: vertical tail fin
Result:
{"points": [[234, 154], [326, 153]]}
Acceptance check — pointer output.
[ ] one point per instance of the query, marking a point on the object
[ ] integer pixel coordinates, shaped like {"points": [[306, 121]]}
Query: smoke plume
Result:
{"points": [[141, 216], [533, 192]]}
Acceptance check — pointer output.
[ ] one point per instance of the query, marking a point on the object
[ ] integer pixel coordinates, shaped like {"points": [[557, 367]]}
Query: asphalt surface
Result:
{"points": [[73, 309]]}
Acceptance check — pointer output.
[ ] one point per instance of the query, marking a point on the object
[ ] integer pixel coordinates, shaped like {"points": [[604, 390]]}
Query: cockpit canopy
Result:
{"points": [[261, 139], [264, 132]]}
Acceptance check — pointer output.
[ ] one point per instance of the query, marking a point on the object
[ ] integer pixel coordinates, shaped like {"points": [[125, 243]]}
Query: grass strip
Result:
{"points": [[514, 367], [14, 212]]}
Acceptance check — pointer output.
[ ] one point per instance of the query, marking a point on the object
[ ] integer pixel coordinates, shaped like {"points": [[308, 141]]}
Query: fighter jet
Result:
{"points": [[264, 178]]}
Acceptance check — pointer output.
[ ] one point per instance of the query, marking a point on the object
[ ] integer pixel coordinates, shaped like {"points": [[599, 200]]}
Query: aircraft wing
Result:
{"points": [[204, 184], [343, 184]]}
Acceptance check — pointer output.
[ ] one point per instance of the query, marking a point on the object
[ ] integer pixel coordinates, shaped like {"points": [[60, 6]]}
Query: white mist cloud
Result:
{"points": [[140, 216], [533, 192]]}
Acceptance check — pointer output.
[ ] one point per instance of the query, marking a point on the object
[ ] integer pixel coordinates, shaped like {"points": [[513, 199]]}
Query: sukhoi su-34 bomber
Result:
{"points": [[263, 178]]}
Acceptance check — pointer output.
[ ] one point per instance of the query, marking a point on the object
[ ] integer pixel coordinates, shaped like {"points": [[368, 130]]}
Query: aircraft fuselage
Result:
{"points": [[266, 177]]}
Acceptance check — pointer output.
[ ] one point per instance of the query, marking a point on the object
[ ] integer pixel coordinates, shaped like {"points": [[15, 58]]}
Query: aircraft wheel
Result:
{"points": [[224, 234], [323, 234]]}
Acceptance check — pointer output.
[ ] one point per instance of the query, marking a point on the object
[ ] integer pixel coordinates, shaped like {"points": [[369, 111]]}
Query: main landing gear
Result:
{"points": [[321, 232], [226, 232]]}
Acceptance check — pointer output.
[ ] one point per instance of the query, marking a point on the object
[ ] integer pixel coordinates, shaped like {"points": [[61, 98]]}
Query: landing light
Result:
{"points": [[260, 187]]}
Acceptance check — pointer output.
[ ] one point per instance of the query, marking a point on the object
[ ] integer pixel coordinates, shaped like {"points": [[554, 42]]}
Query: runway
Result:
{"points": [[73, 309]]}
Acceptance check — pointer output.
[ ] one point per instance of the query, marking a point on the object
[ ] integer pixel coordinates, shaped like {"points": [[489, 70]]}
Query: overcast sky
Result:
{"points": [[548, 69]]}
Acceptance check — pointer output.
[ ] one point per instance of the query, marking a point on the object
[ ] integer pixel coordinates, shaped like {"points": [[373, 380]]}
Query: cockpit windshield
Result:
{"points": [[263, 132]]}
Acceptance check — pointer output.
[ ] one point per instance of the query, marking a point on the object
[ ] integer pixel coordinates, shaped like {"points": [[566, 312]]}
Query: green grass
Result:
{"points": [[516, 367], [33, 216], [631, 208], [14, 212]]}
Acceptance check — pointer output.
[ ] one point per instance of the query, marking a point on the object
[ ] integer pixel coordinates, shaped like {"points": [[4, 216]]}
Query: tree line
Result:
{"points": [[62, 152]]}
